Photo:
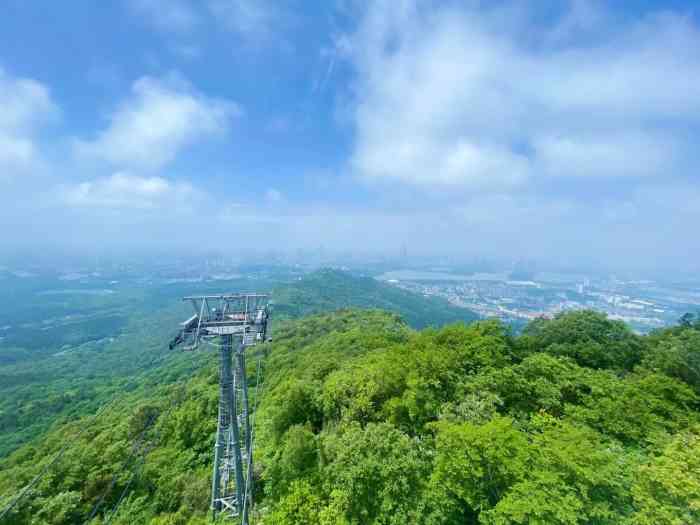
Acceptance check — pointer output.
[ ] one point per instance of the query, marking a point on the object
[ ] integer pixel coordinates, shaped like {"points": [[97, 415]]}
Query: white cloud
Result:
{"points": [[426, 161], [159, 119], [445, 97], [182, 22], [26, 105], [648, 69], [123, 190], [254, 21], [606, 155], [17, 155], [178, 16]]}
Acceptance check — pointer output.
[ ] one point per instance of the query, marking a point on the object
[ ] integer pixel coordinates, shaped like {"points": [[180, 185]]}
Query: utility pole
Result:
{"points": [[228, 321]]}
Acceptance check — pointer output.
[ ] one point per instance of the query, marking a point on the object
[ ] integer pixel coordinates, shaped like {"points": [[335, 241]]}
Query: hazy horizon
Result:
{"points": [[562, 133]]}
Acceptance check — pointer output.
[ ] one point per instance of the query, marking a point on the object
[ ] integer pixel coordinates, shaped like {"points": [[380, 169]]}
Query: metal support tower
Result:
{"points": [[229, 319]]}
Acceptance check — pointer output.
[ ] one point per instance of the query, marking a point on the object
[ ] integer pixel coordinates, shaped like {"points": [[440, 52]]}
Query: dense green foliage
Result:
{"points": [[73, 346], [363, 420], [35, 393]]}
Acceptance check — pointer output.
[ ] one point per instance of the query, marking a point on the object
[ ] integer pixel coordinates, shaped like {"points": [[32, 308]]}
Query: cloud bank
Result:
{"points": [[26, 106], [485, 100], [462, 128], [161, 117], [130, 192]]}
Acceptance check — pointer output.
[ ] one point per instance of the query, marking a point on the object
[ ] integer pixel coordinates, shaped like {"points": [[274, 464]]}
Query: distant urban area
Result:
{"points": [[643, 304], [514, 296]]}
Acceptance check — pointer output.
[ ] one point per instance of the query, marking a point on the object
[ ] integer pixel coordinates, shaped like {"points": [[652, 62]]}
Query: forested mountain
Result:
{"points": [[364, 420], [328, 290], [72, 357]]}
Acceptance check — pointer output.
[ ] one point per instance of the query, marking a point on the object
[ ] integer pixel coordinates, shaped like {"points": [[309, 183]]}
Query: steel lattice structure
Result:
{"points": [[229, 319]]}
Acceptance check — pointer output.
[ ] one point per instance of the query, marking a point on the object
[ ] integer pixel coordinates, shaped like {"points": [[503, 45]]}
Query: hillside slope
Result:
{"points": [[365, 421], [328, 290]]}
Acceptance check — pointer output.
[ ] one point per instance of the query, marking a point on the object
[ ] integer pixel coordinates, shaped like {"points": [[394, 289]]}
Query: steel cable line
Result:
{"points": [[65, 447], [58, 456], [258, 393], [156, 360], [131, 457], [135, 474], [115, 508], [113, 512]]}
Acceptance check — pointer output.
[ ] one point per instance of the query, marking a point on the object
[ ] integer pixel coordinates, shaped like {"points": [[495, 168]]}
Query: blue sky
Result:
{"points": [[549, 130]]}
